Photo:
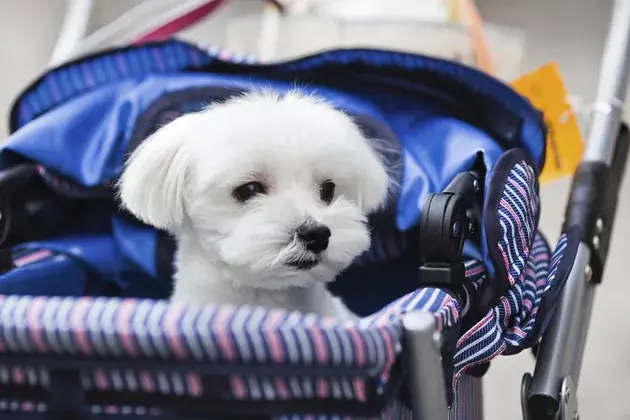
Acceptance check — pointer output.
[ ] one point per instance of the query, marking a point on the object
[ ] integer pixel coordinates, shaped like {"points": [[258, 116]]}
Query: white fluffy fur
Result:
{"points": [[182, 179]]}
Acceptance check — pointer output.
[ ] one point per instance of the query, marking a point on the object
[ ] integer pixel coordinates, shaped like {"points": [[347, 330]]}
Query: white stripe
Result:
{"points": [[190, 333], [203, 326]]}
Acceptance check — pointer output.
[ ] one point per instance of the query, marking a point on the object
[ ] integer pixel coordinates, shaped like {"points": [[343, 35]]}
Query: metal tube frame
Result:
{"points": [[428, 400], [561, 351]]}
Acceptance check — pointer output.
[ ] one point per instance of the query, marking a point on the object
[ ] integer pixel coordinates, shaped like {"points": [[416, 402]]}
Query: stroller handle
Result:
{"points": [[590, 213]]}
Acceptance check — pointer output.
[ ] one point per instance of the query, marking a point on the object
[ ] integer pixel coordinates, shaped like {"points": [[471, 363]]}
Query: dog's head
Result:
{"points": [[274, 189]]}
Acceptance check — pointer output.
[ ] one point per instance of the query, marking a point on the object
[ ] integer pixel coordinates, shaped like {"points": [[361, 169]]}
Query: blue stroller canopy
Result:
{"points": [[83, 281]]}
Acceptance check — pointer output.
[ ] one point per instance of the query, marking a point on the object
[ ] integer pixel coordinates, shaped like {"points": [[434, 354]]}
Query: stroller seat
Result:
{"points": [[84, 328]]}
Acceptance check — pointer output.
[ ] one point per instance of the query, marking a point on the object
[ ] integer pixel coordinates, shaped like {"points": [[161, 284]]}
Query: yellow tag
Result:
{"points": [[545, 89]]}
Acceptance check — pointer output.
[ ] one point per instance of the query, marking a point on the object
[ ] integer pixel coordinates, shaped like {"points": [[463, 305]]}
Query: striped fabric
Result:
{"points": [[518, 218], [66, 82], [469, 389], [557, 257]]}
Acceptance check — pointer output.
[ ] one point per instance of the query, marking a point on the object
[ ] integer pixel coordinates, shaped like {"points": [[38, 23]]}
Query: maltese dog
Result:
{"points": [[267, 196]]}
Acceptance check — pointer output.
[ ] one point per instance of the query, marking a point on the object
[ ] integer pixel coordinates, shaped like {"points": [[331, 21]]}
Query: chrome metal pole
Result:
{"points": [[428, 396]]}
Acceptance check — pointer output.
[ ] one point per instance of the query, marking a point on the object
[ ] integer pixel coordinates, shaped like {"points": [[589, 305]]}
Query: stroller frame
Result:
{"points": [[550, 393]]}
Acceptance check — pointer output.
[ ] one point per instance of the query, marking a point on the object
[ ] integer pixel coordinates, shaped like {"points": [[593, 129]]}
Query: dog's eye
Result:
{"points": [[327, 191], [248, 191]]}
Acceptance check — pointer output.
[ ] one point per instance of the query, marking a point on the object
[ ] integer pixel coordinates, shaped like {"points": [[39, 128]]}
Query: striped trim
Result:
{"points": [[556, 258], [68, 81], [518, 211], [154, 329], [469, 392]]}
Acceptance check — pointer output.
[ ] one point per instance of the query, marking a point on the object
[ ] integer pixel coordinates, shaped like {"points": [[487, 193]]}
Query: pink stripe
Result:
{"points": [[506, 262], [33, 257], [391, 356], [123, 327], [359, 351], [321, 353], [272, 337], [359, 389], [322, 388], [100, 380], [173, 332], [36, 329], [280, 385], [18, 375], [508, 312], [220, 325], [440, 323], [78, 325], [239, 389], [517, 331], [475, 270], [194, 385], [518, 187], [519, 229], [146, 382]]}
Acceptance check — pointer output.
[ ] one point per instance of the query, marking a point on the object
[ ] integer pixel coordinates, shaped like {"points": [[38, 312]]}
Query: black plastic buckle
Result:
{"points": [[448, 219]]}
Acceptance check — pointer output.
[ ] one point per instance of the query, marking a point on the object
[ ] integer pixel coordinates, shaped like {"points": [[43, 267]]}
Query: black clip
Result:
{"points": [[448, 219]]}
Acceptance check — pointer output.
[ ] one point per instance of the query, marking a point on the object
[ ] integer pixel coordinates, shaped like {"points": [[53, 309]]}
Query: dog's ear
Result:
{"points": [[152, 186]]}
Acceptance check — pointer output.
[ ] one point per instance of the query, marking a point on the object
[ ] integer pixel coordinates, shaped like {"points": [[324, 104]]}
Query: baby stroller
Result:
{"points": [[457, 274]]}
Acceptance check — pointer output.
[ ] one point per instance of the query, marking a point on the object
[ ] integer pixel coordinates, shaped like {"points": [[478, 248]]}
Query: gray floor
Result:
{"points": [[570, 32]]}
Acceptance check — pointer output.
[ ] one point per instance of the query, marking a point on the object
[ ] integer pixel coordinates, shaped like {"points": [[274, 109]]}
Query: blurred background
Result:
{"points": [[520, 36]]}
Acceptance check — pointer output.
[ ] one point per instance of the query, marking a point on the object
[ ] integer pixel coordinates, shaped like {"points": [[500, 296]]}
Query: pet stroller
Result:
{"points": [[457, 273]]}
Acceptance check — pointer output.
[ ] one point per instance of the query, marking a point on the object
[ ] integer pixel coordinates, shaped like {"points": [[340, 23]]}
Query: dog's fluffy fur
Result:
{"points": [[184, 179]]}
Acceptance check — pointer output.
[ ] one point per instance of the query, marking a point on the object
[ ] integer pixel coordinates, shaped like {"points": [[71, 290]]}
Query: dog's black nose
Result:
{"points": [[314, 236]]}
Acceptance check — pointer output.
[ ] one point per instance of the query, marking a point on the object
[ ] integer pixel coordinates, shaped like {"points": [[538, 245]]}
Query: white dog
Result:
{"points": [[266, 195]]}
